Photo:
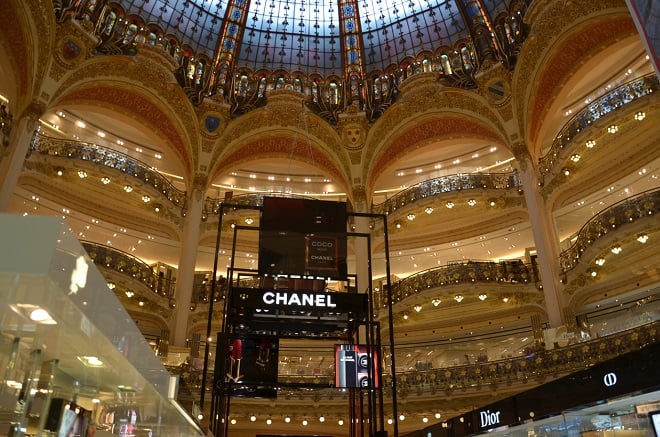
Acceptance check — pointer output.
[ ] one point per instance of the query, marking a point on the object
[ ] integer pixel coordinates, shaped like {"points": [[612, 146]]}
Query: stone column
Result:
{"points": [[20, 138], [545, 238], [186, 272]]}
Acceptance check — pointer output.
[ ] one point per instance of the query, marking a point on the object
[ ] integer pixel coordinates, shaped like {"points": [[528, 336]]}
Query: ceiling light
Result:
{"points": [[80, 124], [90, 361], [128, 188], [590, 144], [130, 293], [59, 171], [249, 220], [340, 422], [411, 216], [428, 210], [105, 180], [269, 421], [304, 422], [398, 225], [643, 238], [613, 128], [575, 157], [594, 273], [438, 415], [639, 116], [418, 308], [405, 316], [82, 174], [449, 205], [472, 202], [425, 419], [157, 207], [600, 261], [566, 172], [616, 250], [253, 418], [321, 419], [146, 199], [436, 302], [483, 297], [505, 299], [402, 417], [458, 298], [111, 285], [34, 313], [492, 203]]}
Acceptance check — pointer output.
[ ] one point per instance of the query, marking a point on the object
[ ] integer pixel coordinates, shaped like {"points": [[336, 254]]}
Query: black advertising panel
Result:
{"points": [[355, 365], [302, 237], [252, 365]]}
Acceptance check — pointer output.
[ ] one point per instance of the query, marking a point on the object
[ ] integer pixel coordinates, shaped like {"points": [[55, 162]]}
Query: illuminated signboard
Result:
{"points": [[355, 365]]}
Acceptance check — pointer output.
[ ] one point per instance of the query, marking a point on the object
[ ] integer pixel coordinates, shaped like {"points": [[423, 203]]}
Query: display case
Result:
{"points": [[72, 361]]}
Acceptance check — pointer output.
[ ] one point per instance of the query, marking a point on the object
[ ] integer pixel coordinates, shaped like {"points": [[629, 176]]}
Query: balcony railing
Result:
{"points": [[98, 155], [617, 99], [468, 272], [109, 258], [447, 184], [627, 211]]}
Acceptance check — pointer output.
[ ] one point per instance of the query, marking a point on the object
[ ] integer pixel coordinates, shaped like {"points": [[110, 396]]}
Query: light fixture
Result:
{"points": [[157, 207], [146, 199], [575, 157], [402, 417], [34, 313], [640, 115], [287, 419], [472, 202], [505, 299], [411, 216], [128, 188], [111, 285], [425, 419], [90, 361], [428, 210], [59, 171], [600, 261], [613, 128], [398, 225], [130, 293], [492, 203], [249, 220], [304, 422], [269, 421], [449, 205], [566, 172], [643, 238], [438, 415], [82, 174], [390, 421], [594, 273], [436, 302], [233, 421], [340, 422], [483, 297], [590, 144], [253, 418], [105, 180], [417, 308], [616, 250], [321, 419], [405, 316], [458, 298]]}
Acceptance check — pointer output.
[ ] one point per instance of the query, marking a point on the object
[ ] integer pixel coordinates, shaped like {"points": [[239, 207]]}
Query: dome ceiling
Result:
{"points": [[314, 36]]}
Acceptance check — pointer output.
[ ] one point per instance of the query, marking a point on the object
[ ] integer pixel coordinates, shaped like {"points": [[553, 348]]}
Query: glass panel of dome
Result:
{"points": [[398, 28], [292, 34], [194, 22]]}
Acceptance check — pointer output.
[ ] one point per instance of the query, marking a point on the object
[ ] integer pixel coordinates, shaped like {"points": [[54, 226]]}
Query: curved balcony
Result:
{"points": [[469, 272], [99, 155], [475, 378], [446, 184], [627, 211], [615, 100], [109, 258]]}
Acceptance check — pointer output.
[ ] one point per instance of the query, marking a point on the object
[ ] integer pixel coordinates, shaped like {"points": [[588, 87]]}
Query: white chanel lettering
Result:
{"points": [[298, 299]]}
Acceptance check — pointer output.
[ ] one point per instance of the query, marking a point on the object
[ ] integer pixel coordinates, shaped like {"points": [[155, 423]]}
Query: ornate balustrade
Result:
{"points": [[635, 208], [513, 271], [109, 158], [489, 375], [612, 101], [447, 184], [109, 258]]}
